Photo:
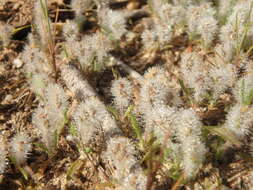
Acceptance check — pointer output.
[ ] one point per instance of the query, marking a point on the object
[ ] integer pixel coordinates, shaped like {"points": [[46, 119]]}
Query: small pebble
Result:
{"points": [[17, 63], [8, 98], [132, 5]]}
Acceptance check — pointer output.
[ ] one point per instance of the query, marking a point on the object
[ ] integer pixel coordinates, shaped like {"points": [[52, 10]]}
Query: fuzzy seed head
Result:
{"points": [[70, 31], [86, 123], [113, 22], [223, 78], [43, 24], [122, 91], [207, 28], [239, 120], [188, 128], [161, 120], [38, 83], [92, 116], [225, 7], [174, 14], [164, 32], [75, 82], [194, 153], [3, 155], [154, 90], [49, 118], [188, 124], [149, 37], [243, 88], [56, 104], [135, 181], [35, 60], [89, 48], [47, 132], [153, 93], [195, 13], [20, 147], [5, 33], [80, 5], [195, 74], [120, 150]]}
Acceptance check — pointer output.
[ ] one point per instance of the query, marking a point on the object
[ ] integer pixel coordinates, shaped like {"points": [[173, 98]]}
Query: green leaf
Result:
{"points": [[41, 147], [134, 124], [24, 173], [151, 152], [128, 111], [248, 99], [245, 98], [16, 30], [80, 21], [113, 111], [88, 150], [61, 126], [22, 170], [185, 90], [224, 133], [73, 168], [115, 73], [245, 31], [73, 130]]}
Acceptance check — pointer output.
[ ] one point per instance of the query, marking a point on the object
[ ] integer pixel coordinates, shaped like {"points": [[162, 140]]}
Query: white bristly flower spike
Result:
{"points": [[5, 33], [47, 133], [161, 120], [113, 22], [86, 121], [223, 77], [120, 154], [154, 90], [38, 83], [41, 21], [239, 120], [56, 104], [238, 29], [35, 60], [36, 68], [3, 155], [188, 128], [243, 88], [122, 92], [195, 74], [225, 8], [20, 147], [149, 38], [167, 13], [76, 83], [197, 12], [70, 31], [135, 181], [164, 33], [92, 116], [81, 5], [88, 48], [207, 28], [49, 118]]}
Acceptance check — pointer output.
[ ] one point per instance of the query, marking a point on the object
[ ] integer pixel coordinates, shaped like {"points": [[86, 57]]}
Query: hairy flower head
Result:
{"points": [[3, 155], [239, 120], [122, 91], [20, 147]]}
